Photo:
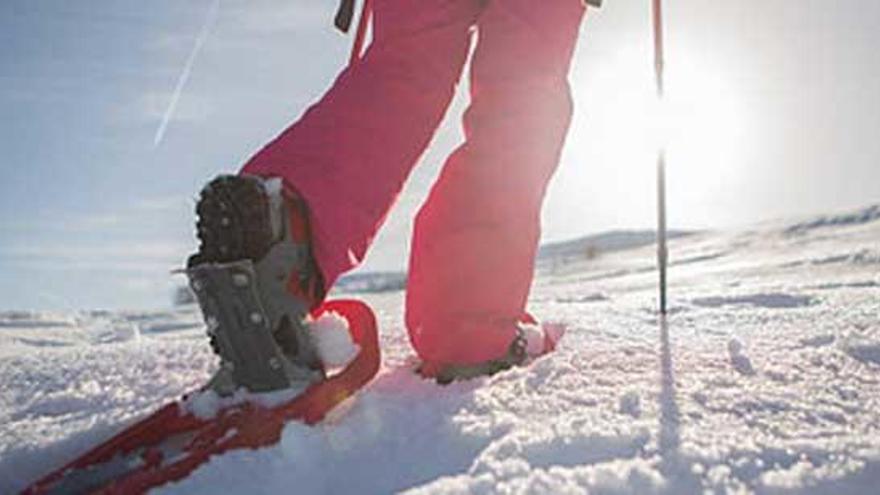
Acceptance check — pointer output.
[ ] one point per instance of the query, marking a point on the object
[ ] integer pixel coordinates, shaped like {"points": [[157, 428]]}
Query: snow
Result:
{"points": [[333, 340], [534, 336], [206, 404], [765, 378], [739, 359], [335, 348], [631, 403]]}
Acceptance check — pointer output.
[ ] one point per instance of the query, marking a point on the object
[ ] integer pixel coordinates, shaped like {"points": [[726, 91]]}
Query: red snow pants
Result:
{"points": [[475, 238]]}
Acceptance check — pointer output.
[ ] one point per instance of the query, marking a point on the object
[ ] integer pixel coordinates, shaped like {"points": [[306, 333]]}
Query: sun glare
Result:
{"points": [[701, 121], [701, 124]]}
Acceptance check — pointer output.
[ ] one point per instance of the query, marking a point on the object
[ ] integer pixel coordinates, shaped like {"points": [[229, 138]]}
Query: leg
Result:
{"points": [[475, 238], [349, 155]]}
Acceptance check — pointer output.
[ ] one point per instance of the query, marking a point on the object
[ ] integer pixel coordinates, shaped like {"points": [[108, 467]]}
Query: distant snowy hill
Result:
{"points": [[550, 255], [605, 242], [371, 282], [554, 256], [765, 378], [858, 217]]}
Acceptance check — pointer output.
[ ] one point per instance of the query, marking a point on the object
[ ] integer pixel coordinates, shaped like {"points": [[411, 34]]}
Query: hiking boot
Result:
{"points": [[530, 342], [256, 282]]}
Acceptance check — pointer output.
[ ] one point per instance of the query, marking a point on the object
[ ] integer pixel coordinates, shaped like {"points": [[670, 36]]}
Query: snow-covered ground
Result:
{"points": [[765, 378]]}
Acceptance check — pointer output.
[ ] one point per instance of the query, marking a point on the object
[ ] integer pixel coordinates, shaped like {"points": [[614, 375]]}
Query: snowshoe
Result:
{"points": [[259, 289], [172, 442]]}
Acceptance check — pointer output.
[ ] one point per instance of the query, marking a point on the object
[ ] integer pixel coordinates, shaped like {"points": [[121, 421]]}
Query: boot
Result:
{"points": [[530, 342], [256, 281]]}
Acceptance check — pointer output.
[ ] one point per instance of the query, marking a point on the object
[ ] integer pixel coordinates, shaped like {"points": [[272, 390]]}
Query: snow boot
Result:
{"points": [[256, 281], [531, 341]]}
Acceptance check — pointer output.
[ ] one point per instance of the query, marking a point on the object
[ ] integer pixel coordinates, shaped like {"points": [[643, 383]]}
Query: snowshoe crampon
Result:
{"points": [[173, 442]]}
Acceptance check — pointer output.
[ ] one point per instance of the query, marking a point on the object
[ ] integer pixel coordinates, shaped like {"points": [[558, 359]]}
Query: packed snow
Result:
{"points": [[333, 340], [764, 378]]}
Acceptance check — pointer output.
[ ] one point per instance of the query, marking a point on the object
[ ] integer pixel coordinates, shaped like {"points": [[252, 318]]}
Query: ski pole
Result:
{"points": [[662, 253]]}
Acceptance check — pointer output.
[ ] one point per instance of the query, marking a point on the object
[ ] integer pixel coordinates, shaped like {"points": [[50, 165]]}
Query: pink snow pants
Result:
{"points": [[476, 236]]}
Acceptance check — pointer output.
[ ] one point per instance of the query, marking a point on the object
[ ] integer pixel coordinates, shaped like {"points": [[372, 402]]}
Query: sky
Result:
{"points": [[772, 111]]}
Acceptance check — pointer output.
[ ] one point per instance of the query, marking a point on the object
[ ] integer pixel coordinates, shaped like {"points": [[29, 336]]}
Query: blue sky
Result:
{"points": [[773, 110]]}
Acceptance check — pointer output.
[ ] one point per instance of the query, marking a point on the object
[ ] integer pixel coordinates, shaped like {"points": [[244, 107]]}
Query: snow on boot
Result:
{"points": [[540, 339], [256, 281]]}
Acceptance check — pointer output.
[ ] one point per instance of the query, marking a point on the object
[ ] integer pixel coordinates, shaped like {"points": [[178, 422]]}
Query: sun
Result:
{"points": [[620, 125]]}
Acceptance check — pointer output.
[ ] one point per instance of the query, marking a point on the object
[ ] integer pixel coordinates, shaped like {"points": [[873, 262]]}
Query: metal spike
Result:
{"points": [[241, 280], [212, 325]]}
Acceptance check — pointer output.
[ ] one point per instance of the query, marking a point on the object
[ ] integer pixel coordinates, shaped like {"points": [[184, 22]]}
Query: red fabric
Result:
{"points": [[476, 236]]}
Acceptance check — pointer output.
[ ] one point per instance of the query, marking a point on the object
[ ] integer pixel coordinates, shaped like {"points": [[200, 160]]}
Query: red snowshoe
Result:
{"points": [[259, 287], [173, 442]]}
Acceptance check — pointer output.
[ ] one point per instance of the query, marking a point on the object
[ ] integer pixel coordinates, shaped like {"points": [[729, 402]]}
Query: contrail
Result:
{"points": [[187, 69]]}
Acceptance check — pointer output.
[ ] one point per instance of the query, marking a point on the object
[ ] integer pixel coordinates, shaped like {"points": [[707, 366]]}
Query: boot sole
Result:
{"points": [[233, 221]]}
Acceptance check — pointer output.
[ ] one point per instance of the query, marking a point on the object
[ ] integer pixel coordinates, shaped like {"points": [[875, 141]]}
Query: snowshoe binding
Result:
{"points": [[256, 281]]}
